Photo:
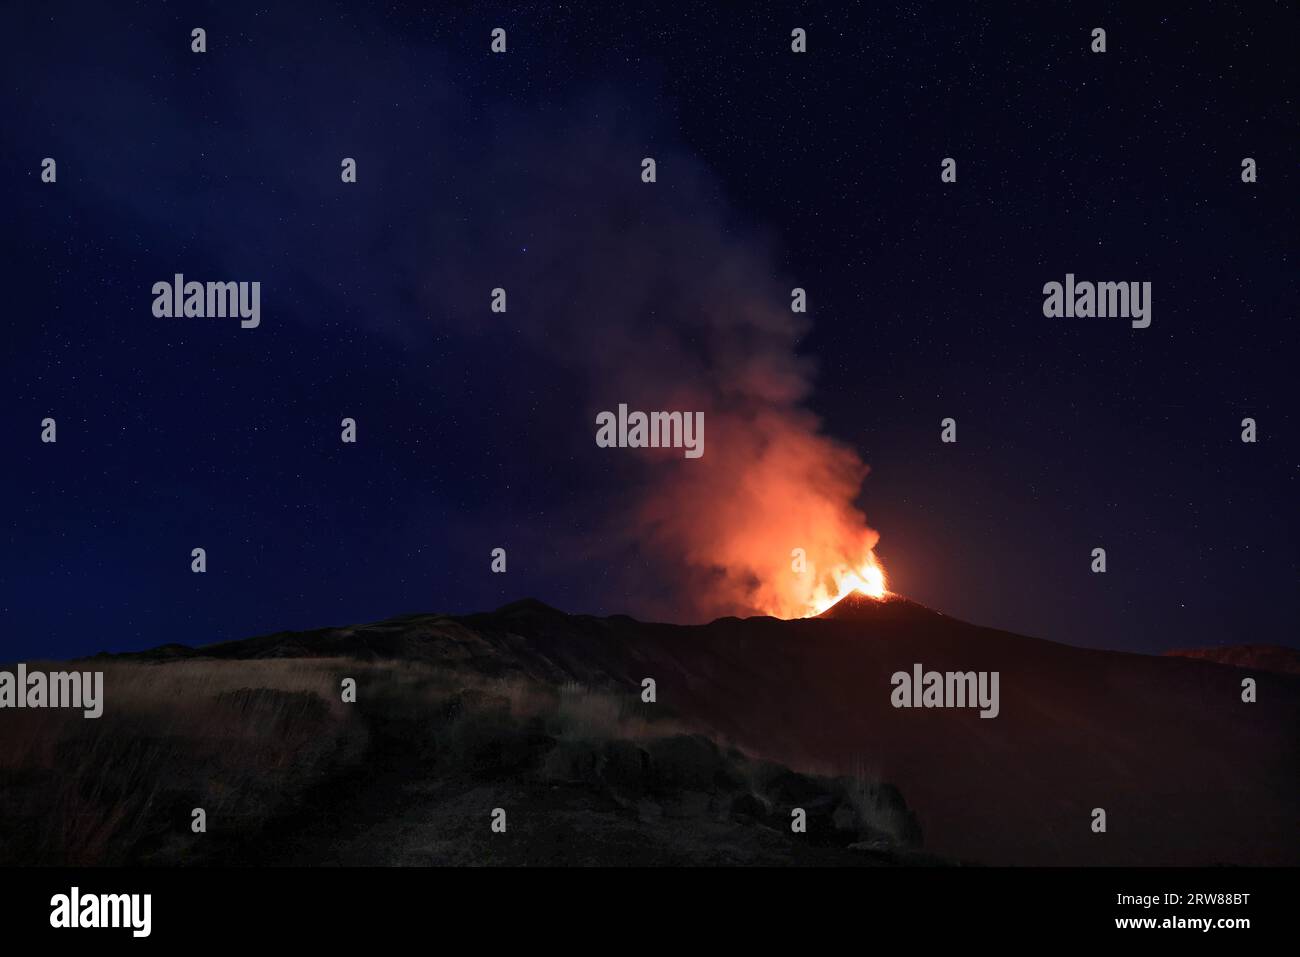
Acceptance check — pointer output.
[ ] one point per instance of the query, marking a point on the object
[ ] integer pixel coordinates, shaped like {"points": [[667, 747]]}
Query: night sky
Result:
{"points": [[522, 170]]}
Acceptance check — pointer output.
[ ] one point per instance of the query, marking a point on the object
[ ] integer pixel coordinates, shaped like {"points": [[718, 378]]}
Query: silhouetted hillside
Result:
{"points": [[1185, 770], [1260, 657]]}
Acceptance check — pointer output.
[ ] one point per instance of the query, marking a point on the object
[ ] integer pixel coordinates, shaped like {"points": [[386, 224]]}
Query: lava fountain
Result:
{"points": [[843, 580]]}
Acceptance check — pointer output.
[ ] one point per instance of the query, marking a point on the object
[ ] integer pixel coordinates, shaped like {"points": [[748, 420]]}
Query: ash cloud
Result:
{"points": [[649, 294]]}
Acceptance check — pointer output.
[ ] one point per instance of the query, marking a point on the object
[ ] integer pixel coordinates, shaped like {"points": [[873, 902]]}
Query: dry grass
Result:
{"points": [[251, 742], [244, 740], [238, 739]]}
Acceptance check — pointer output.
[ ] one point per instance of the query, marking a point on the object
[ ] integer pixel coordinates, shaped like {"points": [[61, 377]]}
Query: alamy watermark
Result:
{"points": [[1124, 300], [208, 300], [946, 689], [653, 430], [75, 909], [56, 689]]}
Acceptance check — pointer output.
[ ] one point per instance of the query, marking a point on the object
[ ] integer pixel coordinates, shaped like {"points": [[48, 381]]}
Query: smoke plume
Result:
{"points": [[648, 294]]}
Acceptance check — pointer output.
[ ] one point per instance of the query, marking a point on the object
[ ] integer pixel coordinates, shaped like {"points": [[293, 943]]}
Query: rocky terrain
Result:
{"points": [[544, 716]]}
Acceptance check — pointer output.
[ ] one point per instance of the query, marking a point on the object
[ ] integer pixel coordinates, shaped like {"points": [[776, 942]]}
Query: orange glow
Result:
{"points": [[812, 592], [769, 524], [843, 580]]}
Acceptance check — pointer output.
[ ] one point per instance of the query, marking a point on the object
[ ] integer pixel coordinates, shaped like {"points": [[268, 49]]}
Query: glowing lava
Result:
{"points": [[843, 580], [869, 580]]}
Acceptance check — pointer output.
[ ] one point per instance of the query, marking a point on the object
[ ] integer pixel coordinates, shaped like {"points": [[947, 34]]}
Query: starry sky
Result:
{"points": [[478, 170]]}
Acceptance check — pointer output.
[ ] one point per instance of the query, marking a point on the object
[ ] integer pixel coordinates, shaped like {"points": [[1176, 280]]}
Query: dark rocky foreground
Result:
{"points": [[442, 736], [667, 801], [539, 713]]}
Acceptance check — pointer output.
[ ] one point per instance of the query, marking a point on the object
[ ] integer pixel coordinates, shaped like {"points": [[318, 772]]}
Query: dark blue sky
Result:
{"points": [[478, 170]]}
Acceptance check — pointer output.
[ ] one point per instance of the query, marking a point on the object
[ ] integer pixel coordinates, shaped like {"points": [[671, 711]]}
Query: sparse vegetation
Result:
{"points": [[257, 742]]}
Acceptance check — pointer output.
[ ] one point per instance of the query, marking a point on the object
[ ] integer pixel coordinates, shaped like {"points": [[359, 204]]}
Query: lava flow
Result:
{"points": [[844, 580]]}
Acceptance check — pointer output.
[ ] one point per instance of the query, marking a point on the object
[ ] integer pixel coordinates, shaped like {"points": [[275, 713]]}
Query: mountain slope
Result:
{"points": [[1186, 772], [1261, 657]]}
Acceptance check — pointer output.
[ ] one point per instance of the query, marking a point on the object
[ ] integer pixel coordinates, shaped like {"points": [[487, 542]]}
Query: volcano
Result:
{"points": [[865, 610], [1186, 771]]}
